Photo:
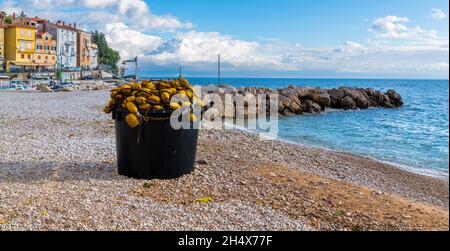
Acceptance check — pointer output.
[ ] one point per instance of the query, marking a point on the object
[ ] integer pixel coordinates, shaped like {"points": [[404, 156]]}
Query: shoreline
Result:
{"points": [[428, 172], [373, 165], [64, 177]]}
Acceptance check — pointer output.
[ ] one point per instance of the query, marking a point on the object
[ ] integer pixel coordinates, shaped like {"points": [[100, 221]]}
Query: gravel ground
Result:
{"points": [[58, 172]]}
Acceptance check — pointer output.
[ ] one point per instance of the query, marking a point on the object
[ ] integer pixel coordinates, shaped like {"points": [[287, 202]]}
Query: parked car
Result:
{"points": [[88, 78]]}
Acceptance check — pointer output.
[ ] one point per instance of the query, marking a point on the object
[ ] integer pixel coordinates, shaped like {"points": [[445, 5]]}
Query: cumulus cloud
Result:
{"points": [[118, 36], [99, 3], [438, 14], [201, 49], [134, 13], [350, 47], [392, 33], [394, 27]]}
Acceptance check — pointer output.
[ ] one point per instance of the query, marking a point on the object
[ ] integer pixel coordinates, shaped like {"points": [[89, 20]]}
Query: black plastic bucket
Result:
{"points": [[154, 150]]}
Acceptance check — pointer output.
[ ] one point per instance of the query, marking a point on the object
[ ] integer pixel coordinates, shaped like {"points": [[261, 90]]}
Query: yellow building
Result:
{"points": [[45, 54], [2, 43], [20, 43]]}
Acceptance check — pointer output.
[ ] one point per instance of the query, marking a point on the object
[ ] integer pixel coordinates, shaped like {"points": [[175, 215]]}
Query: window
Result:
{"points": [[22, 32], [22, 56], [29, 33], [29, 56], [22, 45], [29, 45], [46, 38], [46, 57], [53, 57], [39, 56]]}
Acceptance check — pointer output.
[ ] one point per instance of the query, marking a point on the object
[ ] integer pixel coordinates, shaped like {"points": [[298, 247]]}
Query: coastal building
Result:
{"points": [[66, 42], [45, 55], [20, 43], [84, 44], [2, 43]]}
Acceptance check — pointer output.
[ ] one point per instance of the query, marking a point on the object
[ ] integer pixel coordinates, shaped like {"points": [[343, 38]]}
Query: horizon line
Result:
{"points": [[343, 78]]}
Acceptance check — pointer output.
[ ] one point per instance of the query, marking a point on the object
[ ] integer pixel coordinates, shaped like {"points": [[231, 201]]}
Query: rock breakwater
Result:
{"points": [[296, 100]]}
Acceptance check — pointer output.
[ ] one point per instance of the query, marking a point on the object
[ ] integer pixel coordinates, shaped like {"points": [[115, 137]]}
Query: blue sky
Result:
{"points": [[310, 22], [264, 38]]}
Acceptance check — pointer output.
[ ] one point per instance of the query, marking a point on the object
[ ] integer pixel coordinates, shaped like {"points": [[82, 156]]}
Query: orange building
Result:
{"points": [[84, 43], [45, 55]]}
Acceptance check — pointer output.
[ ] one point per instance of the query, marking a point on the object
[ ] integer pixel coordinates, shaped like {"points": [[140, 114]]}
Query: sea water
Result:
{"points": [[415, 136]]}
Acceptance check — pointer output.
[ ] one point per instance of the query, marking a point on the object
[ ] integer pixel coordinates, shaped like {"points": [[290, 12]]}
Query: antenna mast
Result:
{"points": [[218, 69]]}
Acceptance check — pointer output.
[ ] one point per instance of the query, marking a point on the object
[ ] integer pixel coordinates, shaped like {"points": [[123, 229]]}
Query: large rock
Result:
{"points": [[229, 89], [347, 103], [372, 94], [285, 101], [311, 106], [280, 106], [395, 98], [324, 100], [304, 92], [335, 97], [383, 100], [296, 107], [359, 97], [317, 95], [287, 112], [44, 88]]}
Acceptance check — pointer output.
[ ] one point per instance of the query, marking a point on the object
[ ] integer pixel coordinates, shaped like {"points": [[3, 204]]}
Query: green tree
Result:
{"points": [[107, 56], [8, 19]]}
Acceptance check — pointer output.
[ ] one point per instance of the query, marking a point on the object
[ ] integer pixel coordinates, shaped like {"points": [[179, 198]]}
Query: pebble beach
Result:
{"points": [[58, 172]]}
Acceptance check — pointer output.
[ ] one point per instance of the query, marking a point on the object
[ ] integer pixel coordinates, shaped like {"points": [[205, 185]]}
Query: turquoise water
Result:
{"points": [[415, 136]]}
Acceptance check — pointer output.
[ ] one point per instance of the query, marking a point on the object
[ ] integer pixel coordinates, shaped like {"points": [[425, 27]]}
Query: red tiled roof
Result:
{"points": [[63, 26], [39, 34]]}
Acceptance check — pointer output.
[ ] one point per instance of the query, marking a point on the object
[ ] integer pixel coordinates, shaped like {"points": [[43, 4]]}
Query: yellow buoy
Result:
{"points": [[131, 107], [132, 120]]}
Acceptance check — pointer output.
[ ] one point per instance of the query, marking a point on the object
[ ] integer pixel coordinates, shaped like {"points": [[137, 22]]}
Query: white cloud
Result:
{"points": [[118, 36], [135, 14], [438, 14], [99, 3], [394, 27], [440, 66], [351, 47], [201, 49], [392, 33]]}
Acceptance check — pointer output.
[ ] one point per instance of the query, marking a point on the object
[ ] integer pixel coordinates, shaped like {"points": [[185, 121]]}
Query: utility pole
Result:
{"points": [[137, 69], [179, 69], [218, 69]]}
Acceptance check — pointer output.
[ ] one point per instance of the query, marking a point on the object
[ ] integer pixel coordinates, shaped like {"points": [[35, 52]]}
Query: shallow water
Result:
{"points": [[415, 135]]}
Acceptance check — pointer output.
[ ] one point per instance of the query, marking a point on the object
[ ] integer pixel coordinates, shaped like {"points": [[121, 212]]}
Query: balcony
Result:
{"points": [[24, 50], [25, 38]]}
